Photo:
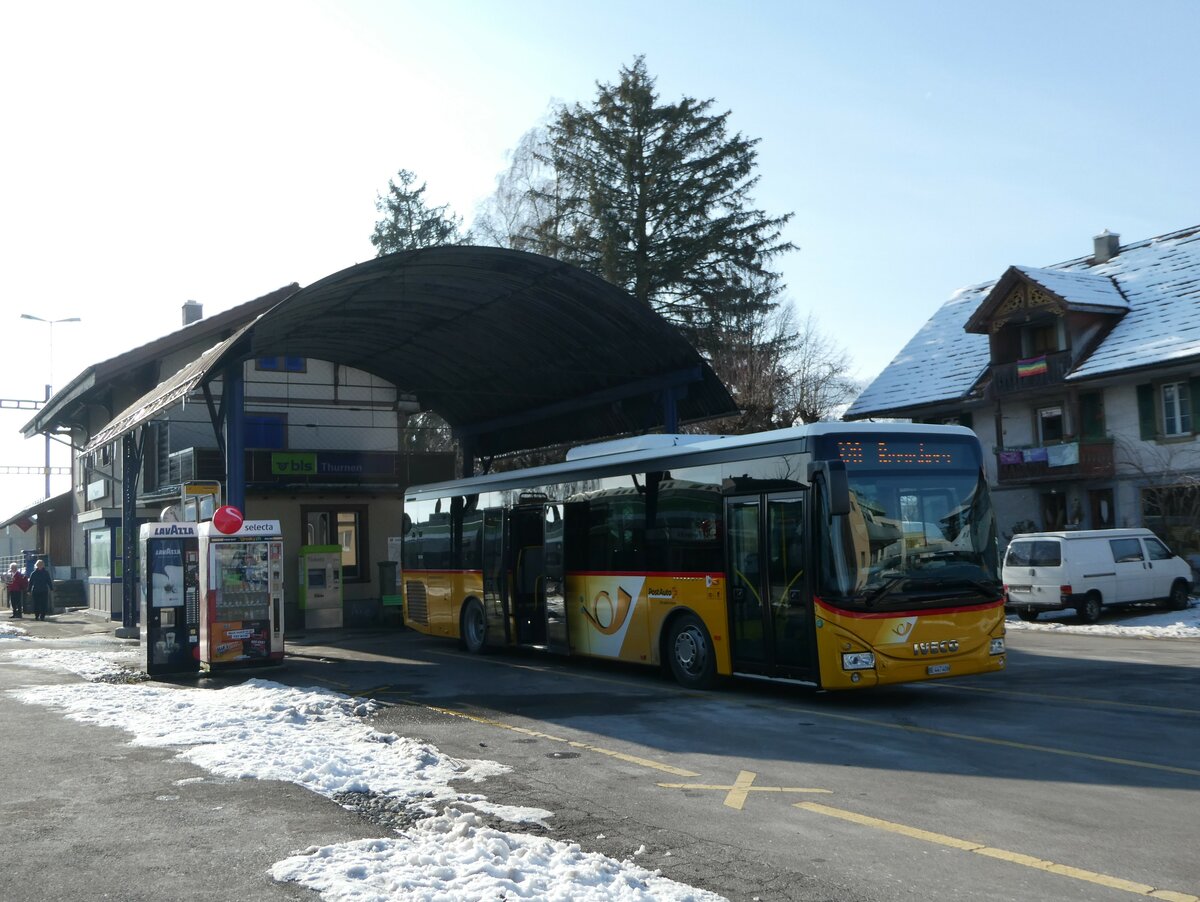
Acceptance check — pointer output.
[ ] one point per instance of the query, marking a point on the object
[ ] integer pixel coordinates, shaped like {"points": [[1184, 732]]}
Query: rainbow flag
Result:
{"points": [[1032, 366]]}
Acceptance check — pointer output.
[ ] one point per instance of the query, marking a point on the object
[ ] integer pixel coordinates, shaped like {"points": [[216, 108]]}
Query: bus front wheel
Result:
{"points": [[473, 627], [690, 652]]}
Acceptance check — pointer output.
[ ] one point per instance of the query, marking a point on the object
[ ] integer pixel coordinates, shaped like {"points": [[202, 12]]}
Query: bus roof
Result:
{"points": [[622, 454]]}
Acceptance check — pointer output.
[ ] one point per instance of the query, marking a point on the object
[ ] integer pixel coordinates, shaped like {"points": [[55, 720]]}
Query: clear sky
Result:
{"points": [[158, 152]]}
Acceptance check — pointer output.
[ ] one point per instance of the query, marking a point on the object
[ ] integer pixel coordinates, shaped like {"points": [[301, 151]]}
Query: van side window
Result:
{"points": [[1157, 550], [1035, 554], [1126, 550]]}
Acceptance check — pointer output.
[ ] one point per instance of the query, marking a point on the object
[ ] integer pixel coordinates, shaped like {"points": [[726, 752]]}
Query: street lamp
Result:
{"points": [[49, 385]]}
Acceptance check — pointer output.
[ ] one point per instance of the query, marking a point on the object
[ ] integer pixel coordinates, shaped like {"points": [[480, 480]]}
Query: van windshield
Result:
{"points": [[1034, 553]]}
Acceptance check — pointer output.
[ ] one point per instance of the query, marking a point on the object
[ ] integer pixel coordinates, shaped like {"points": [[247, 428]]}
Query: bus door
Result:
{"points": [[495, 586], [553, 581], [527, 551], [770, 610]]}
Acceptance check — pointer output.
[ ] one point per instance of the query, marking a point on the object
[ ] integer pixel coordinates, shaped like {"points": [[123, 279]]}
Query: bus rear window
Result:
{"points": [[1034, 554]]}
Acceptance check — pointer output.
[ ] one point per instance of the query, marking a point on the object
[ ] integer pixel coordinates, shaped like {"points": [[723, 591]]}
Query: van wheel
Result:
{"points": [[690, 651], [1028, 614], [1090, 612], [473, 627], [1179, 598]]}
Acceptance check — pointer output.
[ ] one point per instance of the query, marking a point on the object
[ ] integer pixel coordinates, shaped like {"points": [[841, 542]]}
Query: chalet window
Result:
{"points": [[1168, 409], [1176, 409], [1041, 338], [1050, 424]]}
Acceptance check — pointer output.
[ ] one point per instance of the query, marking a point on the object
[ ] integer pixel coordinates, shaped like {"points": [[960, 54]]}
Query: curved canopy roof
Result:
{"points": [[517, 349], [514, 350]]}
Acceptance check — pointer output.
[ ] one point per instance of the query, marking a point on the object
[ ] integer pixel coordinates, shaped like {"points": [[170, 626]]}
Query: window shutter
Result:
{"points": [[1091, 413], [1147, 419], [1194, 391]]}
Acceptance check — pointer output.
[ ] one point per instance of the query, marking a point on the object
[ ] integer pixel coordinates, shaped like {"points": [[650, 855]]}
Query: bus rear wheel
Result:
{"points": [[690, 651], [473, 627]]}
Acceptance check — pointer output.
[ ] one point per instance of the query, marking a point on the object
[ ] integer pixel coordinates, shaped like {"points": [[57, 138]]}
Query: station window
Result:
{"points": [[345, 526], [266, 430], [281, 364]]}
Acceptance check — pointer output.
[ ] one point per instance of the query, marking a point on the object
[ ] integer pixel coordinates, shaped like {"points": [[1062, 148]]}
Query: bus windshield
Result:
{"points": [[912, 540]]}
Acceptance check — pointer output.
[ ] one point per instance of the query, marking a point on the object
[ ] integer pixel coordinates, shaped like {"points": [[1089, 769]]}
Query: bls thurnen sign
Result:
{"points": [[332, 465]]}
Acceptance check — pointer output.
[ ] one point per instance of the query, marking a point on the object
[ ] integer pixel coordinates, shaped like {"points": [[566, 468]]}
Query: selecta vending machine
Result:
{"points": [[170, 597], [241, 591]]}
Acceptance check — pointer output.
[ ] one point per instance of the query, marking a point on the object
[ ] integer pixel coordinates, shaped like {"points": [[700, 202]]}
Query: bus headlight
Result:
{"points": [[997, 647], [858, 660]]}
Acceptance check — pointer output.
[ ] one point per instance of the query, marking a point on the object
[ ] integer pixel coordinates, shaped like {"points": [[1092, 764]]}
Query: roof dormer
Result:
{"points": [[1025, 293]]}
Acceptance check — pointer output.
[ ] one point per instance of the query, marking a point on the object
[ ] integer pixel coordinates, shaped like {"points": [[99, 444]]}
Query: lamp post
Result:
{"points": [[50, 384]]}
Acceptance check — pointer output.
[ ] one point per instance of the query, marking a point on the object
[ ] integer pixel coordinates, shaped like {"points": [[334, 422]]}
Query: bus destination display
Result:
{"points": [[907, 454]]}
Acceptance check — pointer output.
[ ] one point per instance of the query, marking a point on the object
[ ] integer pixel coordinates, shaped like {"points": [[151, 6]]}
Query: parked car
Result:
{"points": [[1091, 569]]}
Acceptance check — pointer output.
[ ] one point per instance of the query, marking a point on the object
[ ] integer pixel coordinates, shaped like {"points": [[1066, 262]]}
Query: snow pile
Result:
{"points": [[321, 740], [1127, 622]]}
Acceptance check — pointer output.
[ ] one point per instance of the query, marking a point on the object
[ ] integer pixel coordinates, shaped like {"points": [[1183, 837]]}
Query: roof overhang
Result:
{"points": [[45, 506]]}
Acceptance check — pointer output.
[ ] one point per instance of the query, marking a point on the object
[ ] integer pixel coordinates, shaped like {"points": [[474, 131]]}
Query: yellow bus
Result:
{"points": [[839, 555]]}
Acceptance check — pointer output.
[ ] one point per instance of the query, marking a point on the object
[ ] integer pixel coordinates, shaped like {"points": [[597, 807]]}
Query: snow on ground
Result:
{"points": [[323, 740], [1142, 622]]}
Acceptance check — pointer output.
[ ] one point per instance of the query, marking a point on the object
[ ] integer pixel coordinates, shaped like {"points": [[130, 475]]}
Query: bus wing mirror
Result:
{"points": [[837, 487]]}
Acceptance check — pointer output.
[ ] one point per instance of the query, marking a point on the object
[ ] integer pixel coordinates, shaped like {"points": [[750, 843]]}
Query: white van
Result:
{"points": [[1092, 568]]}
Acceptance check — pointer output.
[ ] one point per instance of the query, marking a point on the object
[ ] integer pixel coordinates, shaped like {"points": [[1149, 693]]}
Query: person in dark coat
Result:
{"points": [[16, 583], [40, 584]]}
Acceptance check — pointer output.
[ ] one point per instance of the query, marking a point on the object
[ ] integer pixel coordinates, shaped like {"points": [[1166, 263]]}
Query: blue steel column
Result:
{"points": [[234, 388], [129, 539], [670, 411]]}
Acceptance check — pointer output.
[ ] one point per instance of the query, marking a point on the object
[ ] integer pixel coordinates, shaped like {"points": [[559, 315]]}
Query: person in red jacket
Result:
{"points": [[16, 583]]}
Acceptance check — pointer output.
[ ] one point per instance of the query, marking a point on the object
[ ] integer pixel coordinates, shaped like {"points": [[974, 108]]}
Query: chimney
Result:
{"points": [[1107, 245], [193, 311]]}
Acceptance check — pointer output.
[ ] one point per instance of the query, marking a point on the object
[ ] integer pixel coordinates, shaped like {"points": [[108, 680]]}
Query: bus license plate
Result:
{"points": [[935, 669]]}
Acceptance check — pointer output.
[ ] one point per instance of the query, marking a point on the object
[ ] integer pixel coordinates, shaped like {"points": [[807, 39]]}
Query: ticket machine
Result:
{"points": [[241, 592], [170, 598], [321, 586]]}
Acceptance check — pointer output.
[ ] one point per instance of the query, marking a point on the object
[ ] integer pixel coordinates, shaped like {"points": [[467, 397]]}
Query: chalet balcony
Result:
{"points": [[1054, 463], [1007, 378]]}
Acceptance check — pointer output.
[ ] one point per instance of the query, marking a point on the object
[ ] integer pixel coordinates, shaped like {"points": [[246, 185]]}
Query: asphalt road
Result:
{"points": [[1072, 776]]}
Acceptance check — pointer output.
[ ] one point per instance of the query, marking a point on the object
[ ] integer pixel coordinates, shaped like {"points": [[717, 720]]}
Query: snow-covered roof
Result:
{"points": [[1079, 289], [940, 363], [1157, 281]]}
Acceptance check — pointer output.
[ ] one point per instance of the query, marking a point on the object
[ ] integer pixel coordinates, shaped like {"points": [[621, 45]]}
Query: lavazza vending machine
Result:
{"points": [[170, 603], [241, 591]]}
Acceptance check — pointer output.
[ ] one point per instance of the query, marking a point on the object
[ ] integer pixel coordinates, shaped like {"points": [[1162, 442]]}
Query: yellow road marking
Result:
{"points": [[371, 693], [1078, 699], [928, 731], [1006, 743], [620, 756], [736, 794], [342, 686], [1028, 861]]}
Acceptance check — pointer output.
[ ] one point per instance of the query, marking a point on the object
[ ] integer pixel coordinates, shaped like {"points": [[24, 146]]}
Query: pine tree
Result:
{"points": [[656, 198], [410, 224]]}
